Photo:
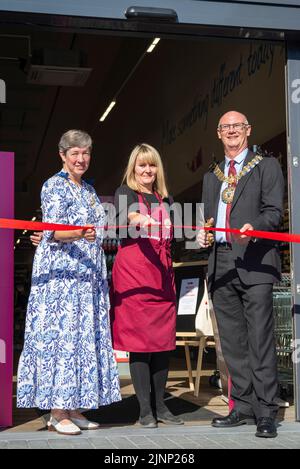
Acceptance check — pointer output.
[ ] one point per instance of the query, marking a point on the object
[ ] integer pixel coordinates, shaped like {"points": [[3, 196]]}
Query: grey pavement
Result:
{"points": [[165, 437]]}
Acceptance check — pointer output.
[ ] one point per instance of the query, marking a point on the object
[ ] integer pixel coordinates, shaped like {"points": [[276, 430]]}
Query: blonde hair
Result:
{"points": [[151, 156]]}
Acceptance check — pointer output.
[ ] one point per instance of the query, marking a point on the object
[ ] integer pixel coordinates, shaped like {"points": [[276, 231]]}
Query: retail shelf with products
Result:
{"points": [[22, 288], [190, 263], [110, 248]]}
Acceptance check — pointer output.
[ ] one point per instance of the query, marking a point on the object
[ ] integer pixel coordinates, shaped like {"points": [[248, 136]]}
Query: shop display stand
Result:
{"points": [[187, 340], [186, 335]]}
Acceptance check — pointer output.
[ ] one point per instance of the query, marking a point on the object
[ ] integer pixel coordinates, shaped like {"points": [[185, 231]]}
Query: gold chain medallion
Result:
{"points": [[228, 194], [232, 180]]}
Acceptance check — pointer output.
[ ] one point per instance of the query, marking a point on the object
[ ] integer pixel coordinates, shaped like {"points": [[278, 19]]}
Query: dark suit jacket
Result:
{"points": [[258, 200]]}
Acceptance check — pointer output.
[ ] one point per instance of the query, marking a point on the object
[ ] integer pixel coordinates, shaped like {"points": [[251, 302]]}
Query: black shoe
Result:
{"points": [[168, 418], [148, 421], [266, 427], [234, 419]]}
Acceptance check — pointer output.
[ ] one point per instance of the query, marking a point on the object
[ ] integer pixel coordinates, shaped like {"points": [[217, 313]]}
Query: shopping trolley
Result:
{"points": [[282, 306]]}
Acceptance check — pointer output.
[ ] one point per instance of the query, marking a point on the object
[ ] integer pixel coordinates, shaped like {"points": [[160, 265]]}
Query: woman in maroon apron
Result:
{"points": [[143, 294]]}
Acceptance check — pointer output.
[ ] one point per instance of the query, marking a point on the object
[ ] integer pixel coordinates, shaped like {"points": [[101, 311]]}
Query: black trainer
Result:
{"points": [[168, 418], [148, 421]]}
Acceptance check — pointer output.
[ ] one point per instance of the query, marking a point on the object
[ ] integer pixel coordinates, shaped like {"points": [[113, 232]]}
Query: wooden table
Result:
{"points": [[191, 339]]}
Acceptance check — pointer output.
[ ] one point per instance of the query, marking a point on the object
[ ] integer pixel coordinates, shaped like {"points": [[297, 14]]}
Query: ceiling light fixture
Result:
{"points": [[153, 45], [114, 101], [103, 117]]}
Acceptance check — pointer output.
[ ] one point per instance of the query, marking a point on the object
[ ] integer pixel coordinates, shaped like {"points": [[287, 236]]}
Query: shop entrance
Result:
{"points": [[171, 97]]}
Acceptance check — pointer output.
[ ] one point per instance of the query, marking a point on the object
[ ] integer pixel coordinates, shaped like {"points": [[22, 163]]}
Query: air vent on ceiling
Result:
{"points": [[58, 67], [57, 75]]}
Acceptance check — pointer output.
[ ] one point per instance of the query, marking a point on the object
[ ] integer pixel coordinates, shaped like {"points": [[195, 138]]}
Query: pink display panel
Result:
{"points": [[6, 289]]}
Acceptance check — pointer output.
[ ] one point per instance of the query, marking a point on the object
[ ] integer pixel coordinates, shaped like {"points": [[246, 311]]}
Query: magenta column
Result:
{"points": [[6, 289]]}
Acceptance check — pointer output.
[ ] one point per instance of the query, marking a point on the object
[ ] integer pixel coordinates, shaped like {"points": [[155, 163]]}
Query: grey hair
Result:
{"points": [[74, 138]]}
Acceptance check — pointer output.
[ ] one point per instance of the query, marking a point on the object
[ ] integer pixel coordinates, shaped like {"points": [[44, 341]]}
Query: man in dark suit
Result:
{"points": [[245, 192]]}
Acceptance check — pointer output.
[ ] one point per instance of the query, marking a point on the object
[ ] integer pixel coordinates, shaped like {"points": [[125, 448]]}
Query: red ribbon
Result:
{"points": [[9, 223], [36, 225], [285, 237]]}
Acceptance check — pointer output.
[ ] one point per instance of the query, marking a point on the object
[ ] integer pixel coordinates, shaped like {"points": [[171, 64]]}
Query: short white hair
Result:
{"points": [[246, 120], [74, 138]]}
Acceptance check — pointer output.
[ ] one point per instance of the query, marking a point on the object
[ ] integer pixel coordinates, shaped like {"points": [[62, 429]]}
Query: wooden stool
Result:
{"points": [[188, 339]]}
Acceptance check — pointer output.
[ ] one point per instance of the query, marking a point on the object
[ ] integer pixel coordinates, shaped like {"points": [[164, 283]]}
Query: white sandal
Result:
{"points": [[69, 429], [84, 424]]}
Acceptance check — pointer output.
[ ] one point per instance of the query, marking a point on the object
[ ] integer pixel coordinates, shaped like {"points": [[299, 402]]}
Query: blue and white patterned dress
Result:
{"points": [[67, 361]]}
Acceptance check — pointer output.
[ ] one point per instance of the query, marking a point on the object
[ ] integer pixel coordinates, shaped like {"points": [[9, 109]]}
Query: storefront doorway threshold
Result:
{"points": [[195, 411]]}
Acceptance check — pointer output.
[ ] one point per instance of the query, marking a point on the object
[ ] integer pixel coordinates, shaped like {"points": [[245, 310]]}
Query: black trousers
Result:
{"points": [[246, 326], [149, 374]]}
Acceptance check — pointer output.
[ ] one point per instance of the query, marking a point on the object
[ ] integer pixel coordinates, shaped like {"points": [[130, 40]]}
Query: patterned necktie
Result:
{"points": [[231, 172]]}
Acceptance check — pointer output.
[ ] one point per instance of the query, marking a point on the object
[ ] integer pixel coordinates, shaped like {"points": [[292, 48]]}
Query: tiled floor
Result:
{"points": [[164, 437], [124, 433]]}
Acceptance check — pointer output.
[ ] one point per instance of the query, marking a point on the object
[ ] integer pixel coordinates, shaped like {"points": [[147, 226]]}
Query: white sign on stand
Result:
{"points": [[122, 359], [121, 356], [188, 296]]}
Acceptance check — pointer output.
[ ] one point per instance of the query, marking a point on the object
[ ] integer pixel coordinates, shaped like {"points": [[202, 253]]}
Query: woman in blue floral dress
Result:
{"points": [[67, 362]]}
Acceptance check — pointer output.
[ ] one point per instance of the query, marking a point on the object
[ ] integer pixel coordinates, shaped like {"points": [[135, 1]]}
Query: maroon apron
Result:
{"points": [[143, 298]]}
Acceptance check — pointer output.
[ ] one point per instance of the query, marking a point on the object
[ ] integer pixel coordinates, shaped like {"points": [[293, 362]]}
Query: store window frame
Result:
{"points": [[29, 21]]}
